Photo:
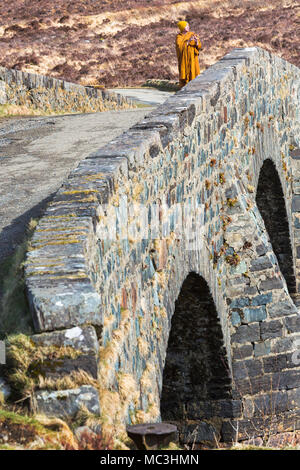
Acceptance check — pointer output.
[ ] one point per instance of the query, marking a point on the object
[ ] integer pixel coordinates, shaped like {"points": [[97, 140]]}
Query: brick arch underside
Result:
{"points": [[196, 377]]}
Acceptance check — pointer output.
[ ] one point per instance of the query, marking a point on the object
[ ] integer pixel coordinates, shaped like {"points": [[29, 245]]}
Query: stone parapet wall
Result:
{"points": [[195, 161], [51, 95]]}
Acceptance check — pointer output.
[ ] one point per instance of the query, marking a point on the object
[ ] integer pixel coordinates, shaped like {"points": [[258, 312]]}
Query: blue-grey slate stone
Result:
{"points": [[254, 314], [246, 333], [262, 349], [235, 318], [260, 264], [53, 310], [296, 203], [240, 302], [261, 299], [271, 283]]}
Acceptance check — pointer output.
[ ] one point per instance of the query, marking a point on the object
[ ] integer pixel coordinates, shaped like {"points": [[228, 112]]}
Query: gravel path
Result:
{"points": [[38, 153]]}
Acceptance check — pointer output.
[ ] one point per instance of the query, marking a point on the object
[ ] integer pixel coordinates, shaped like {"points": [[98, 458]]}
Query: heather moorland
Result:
{"points": [[124, 43]]}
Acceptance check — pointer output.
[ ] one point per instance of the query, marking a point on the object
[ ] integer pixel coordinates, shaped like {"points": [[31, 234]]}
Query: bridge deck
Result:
{"points": [[37, 154]]}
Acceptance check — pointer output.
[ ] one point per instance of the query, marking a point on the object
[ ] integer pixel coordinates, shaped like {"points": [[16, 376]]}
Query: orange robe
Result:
{"points": [[187, 55]]}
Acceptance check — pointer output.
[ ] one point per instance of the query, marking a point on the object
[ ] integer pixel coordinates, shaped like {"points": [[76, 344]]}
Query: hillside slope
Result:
{"points": [[123, 43]]}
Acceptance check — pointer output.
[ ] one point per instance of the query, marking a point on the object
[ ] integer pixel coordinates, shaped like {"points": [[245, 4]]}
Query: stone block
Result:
{"points": [[252, 386], [262, 349], [214, 408], [235, 319], [259, 264], [275, 363], [242, 352], [246, 368], [287, 379], [292, 324], [270, 284], [67, 403], [255, 314], [261, 299], [282, 345], [271, 329], [266, 404], [239, 268], [84, 343], [58, 308], [240, 302], [246, 334], [296, 203], [250, 290], [261, 249]]}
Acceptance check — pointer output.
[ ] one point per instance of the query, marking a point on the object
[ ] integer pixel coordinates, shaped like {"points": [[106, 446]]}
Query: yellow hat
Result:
{"points": [[182, 25]]}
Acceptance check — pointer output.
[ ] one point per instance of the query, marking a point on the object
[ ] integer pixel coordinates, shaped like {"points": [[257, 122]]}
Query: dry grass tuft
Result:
{"points": [[73, 380], [26, 367], [58, 426], [127, 387]]}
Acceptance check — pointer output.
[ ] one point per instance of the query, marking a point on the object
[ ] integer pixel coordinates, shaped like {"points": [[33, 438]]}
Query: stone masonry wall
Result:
{"points": [[194, 163], [51, 95]]}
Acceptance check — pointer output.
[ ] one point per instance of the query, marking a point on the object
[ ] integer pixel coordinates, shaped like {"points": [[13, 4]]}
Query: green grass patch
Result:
{"points": [[21, 432], [16, 418]]}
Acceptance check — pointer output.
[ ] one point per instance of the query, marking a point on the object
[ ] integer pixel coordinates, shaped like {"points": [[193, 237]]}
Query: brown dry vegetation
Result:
{"points": [[124, 43]]}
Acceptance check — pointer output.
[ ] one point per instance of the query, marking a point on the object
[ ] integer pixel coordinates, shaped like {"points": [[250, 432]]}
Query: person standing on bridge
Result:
{"points": [[188, 45]]}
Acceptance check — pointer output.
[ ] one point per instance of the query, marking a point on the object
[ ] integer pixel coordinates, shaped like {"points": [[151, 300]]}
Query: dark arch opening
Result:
{"points": [[196, 374], [271, 204]]}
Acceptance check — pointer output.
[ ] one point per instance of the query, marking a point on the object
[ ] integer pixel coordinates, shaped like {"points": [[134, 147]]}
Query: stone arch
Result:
{"points": [[113, 287], [271, 204], [196, 377]]}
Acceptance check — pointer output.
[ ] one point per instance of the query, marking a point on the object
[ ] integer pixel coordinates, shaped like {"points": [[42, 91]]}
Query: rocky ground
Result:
{"points": [[124, 43]]}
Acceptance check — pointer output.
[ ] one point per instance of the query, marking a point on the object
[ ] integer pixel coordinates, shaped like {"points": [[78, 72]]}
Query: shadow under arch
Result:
{"points": [[196, 377], [271, 204]]}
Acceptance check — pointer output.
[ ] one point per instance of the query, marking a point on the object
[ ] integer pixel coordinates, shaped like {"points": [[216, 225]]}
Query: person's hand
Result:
{"points": [[192, 38]]}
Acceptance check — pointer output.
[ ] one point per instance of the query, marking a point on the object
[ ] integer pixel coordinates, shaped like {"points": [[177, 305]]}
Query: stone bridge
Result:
{"points": [[169, 260]]}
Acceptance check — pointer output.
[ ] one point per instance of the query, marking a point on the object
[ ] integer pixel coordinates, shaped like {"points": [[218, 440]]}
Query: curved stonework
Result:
{"points": [[51, 95], [189, 173]]}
